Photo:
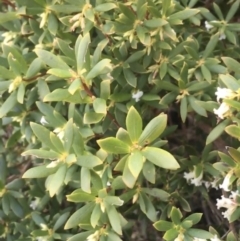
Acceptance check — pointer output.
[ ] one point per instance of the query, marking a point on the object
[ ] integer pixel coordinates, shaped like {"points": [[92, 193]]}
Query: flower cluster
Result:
{"points": [[208, 26], [223, 93], [228, 203], [197, 181], [136, 96]]}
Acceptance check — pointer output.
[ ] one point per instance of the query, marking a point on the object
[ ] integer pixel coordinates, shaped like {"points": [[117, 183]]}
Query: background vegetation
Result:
{"points": [[119, 120]]}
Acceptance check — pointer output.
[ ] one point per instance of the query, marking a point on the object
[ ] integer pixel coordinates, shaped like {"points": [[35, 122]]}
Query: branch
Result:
{"points": [[90, 93], [34, 77]]}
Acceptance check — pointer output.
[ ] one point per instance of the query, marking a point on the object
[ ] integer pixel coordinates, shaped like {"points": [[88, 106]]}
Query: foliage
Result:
{"points": [[110, 128]]}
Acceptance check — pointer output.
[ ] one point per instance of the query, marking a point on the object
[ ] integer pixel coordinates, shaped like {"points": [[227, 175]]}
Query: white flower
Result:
{"points": [[222, 110], [234, 195], [223, 93], [43, 121], [199, 239], [208, 26], [214, 184], [197, 181], [226, 182], [34, 204], [180, 237], [225, 202], [228, 203], [188, 176], [137, 95], [215, 238], [222, 36], [108, 184], [207, 184]]}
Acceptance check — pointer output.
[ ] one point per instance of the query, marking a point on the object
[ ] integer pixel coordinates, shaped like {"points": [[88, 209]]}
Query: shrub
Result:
{"points": [[115, 116]]}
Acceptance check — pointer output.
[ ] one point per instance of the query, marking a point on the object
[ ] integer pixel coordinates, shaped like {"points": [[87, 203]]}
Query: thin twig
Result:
{"points": [[89, 93], [34, 77]]}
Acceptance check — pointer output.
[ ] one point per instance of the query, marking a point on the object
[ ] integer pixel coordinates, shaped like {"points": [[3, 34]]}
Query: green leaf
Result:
{"points": [[136, 56], [147, 207], [218, 11], [134, 124], [64, 95], [81, 51], [96, 214], [62, 73], [92, 117], [216, 131], [120, 97], [184, 14], [68, 135], [231, 237], [160, 158], [231, 64], [195, 218], [206, 73], [113, 145], [80, 216], [57, 180], [66, 8], [16, 207], [104, 7], [80, 196], [162, 225], [21, 93], [51, 60], [130, 77], [99, 106], [171, 234], [176, 215], [102, 67], [9, 104], [51, 155], [153, 129], [85, 180], [114, 219], [43, 134], [34, 68], [74, 86], [233, 131], [183, 109], [9, 16], [61, 220], [158, 193], [128, 177], [89, 161], [105, 89], [211, 45], [155, 23], [199, 233], [230, 81], [13, 139], [113, 200], [235, 154], [232, 11], [57, 143], [135, 163], [6, 74], [149, 171], [197, 108], [123, 135], [39, 172], [83, 235]]}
